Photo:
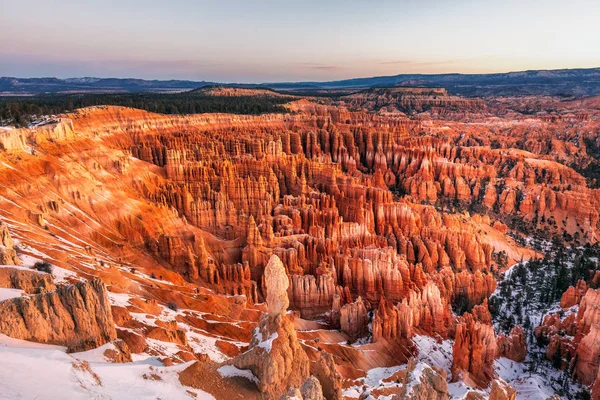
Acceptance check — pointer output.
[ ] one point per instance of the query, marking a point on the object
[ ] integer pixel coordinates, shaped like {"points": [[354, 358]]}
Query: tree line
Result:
{"points": [[22, 111]]}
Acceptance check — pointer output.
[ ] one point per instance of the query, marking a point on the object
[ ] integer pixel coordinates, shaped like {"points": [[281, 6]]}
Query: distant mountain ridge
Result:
{"points": [[94, 85], [569, 82], [572, 82]]}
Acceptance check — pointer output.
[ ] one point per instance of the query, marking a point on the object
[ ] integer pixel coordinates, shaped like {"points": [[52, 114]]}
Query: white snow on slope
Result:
{"points": [[434, 353], [6, 293], [35, 371], [268, 344], [529, 386], [21, 268], [230, 370], [374, 379]]}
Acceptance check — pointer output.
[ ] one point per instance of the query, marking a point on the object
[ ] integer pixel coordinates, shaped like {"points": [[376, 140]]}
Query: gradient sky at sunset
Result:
{"points": [[262, 41]]}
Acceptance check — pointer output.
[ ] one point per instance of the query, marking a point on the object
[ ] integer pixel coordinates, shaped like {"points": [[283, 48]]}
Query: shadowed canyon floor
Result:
{"points": [[345, 249]]}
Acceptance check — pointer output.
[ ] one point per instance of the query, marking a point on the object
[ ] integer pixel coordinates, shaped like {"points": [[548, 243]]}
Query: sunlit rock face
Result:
{"points": [[76, 316], [275, 355]]}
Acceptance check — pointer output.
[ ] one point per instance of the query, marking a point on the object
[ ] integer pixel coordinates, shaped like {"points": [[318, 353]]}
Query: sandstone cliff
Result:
{"points": [[76, 316], [30, 281], [473, 352]]}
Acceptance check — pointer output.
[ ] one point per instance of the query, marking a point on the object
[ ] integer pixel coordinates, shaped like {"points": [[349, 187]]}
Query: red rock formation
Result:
{"points": [[8, 255], [77, 316], [353, 203], [513, 346], [587, 357], [473, 352], [275, 355], [502, 391], [424, 309], [30, 281], [589, 311], [325, 370], [558, 334], [573, 295], [354, 319], [423, 382]]}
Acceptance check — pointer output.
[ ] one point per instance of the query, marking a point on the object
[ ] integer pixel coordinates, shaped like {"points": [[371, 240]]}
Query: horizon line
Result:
{"points": [[307, 81]]}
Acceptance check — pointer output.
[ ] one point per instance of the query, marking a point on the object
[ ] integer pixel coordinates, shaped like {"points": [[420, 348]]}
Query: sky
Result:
{"points": [[288, 40]]}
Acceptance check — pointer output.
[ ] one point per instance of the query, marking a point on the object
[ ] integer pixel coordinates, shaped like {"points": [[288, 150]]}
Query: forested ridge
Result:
{"points": [[21, 111]]}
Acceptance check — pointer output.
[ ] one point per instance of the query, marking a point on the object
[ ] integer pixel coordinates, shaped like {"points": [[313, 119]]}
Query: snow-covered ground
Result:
{"points": [[374, 380], [529, 385], [6, 293], [36, 371], [434, 353], [229, 371], [522, 298]]}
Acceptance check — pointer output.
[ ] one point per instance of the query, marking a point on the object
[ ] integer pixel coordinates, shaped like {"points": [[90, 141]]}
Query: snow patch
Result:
{"points": [[268, 344], [6, 293], [60, 376], [119, 299], [228, 371]]}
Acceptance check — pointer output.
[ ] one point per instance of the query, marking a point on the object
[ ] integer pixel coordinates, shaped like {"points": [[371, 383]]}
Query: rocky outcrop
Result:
{"points": [[8, 255], [573, 295], [589, 311], [473, 352], [558, 334], [502, 391], [310, 390], [424, 309], [30, 281], [423, 382], [324, 369], [513, 346], [275, 355], [119, 353], [77, 316], [574, 340], [276, 285], [588, 356], [354, 319]]}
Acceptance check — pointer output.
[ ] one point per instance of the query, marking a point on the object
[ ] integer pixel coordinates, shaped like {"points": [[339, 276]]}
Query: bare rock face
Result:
{"points": [[292, 394], [324, 369], [310, 390], [502, 391], [588, 356], [423, 383], [276, 282], [513, 346], [596, 387], [29, 281], [573, 295], [354, 318], [275, 355], [424, 309], [589, 311], [8, 255], [120, 353], [76, 316], [473, 352]]}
